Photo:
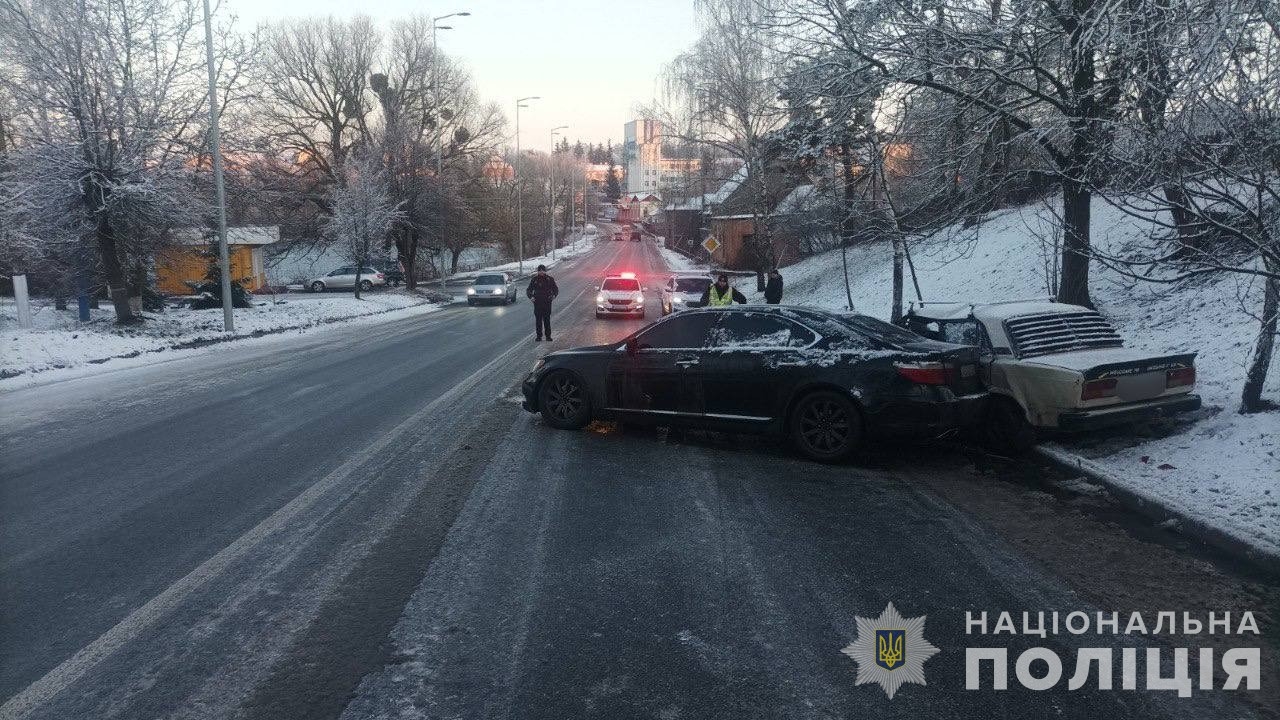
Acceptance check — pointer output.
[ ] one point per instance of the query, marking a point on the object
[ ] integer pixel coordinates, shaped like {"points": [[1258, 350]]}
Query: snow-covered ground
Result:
{"points": [[1215, 464], [59, 342], [579, 247], [679, 263]]}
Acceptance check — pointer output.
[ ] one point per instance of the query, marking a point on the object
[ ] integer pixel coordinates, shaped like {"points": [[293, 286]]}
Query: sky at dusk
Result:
{"points": [[592, 62]]}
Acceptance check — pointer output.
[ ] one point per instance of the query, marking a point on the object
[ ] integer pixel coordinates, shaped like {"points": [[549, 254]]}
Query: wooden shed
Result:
{"points": [[180, 267]]}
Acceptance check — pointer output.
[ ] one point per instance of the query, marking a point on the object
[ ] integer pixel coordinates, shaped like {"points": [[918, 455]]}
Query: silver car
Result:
{"points": [[345, 277], [684, 291], [492, 288]]}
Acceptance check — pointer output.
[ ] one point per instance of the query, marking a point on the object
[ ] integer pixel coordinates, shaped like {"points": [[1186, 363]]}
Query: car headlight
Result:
{"points": [[639, 298], [471, 291], [677, 300], [600, 298], [497, 291]]}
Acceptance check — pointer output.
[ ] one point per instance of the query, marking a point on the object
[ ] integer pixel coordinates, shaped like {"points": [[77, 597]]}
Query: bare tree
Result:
{"points": [[115, 93], [363, 211]]}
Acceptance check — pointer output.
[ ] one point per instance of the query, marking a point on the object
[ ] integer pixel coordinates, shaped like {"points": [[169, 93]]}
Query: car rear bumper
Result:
{"points": [[927, 419], [1127, 413]]}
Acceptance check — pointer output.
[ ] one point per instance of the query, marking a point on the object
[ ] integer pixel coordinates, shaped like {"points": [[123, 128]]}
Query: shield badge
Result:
{"points": [[891, 648]]}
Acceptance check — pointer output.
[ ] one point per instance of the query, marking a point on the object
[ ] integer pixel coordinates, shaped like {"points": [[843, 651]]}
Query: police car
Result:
{"points": [[620, 295]]}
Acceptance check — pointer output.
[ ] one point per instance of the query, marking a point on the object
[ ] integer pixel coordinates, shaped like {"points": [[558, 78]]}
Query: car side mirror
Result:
{"points": [[633, 346]]}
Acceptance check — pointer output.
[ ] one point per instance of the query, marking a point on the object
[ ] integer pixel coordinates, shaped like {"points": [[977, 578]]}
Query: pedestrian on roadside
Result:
{"points": [[773, 289], [721, 293], [542, 290]]}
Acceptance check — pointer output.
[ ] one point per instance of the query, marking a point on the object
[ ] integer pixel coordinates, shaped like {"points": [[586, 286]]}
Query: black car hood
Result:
{"points": [[585, 350]]}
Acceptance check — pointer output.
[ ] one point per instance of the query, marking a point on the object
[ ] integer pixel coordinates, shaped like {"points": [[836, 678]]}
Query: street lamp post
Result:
{"points": [[520, 179], [215, 148], [551, 188], [435, 90]]}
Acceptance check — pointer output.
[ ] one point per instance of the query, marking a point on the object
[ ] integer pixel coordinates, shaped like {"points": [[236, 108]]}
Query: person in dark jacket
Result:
{"points": [[721, 293], [542, 290], [773, 289]]}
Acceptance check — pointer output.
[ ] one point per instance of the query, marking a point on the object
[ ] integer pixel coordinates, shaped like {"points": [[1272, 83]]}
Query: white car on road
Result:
{"points": [[492, 288], [684, 291], [620, 294]]}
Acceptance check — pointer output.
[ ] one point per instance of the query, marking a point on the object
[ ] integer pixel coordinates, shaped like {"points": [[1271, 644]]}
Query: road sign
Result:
{"points": [[711, 243]]}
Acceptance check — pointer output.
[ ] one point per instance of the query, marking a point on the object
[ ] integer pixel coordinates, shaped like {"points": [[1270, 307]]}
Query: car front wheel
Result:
{"points": [[826, 426], [1005, 428], [317, 286], [564, 402]]}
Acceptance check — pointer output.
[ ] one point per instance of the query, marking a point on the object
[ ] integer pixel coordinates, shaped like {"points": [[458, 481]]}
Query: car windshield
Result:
{"points": [[621, 284], [692, 285], [489, 280], [879, 330]]}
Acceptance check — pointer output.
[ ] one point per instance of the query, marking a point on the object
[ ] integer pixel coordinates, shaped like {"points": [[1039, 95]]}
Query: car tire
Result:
{"points": [[826, 426], [317, 287], [365, 286], [1005, 429], [564, 402]]}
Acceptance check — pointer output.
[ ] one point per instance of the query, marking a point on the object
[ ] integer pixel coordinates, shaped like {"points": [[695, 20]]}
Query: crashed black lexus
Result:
{"points": [[825, 380]]}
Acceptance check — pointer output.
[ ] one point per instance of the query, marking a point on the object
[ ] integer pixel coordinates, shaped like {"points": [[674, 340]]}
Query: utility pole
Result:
{"points": [[551, 187], [435, 90], [215, 147], [519, 180]]}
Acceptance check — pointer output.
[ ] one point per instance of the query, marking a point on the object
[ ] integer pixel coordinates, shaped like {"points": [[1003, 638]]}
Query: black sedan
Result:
{"points": [[825, 380]]}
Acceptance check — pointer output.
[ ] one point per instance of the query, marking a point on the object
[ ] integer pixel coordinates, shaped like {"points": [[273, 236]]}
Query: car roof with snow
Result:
{"points": [[995, 311]]}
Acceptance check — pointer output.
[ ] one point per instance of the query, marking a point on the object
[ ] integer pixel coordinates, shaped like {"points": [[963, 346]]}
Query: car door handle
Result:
{"points": [[687, 362]]}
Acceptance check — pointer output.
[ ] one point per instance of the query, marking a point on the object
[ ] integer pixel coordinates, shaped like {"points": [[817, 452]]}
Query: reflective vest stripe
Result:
{"points": [[717, 299]]}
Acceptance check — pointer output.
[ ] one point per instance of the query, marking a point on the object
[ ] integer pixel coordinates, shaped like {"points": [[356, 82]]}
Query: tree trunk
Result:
{"points": [[846, 220], [359, 267], [1251, 398], [898, 255], [454, 256], [117, 283], [1074, 285]]}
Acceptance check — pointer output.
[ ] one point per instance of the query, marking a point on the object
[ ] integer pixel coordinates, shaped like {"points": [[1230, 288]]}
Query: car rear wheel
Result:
{"points": [[366, 285], [826, 426], [317, 286], [564, 402], [1005, 428]]}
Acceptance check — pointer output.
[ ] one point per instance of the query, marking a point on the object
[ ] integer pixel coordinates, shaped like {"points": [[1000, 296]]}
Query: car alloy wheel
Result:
{"points": [[825, 426], [563, 401], [366, 286], [317, 286]]}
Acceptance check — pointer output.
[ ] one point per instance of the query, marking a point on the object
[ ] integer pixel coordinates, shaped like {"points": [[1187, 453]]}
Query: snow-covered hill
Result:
{"points": [[1225, 467]]}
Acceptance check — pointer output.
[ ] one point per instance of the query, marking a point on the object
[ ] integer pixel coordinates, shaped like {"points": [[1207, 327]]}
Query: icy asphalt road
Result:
{"points": [[363, 523]]}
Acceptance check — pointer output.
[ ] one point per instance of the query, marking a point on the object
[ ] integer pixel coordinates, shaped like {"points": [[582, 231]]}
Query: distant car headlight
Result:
{"points": [[600, 298], [677, 300], [471, 291], [497, 291]]}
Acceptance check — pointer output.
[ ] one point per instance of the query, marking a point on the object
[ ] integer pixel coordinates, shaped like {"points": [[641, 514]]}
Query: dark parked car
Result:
{"points": [[825, 380], [392, 271]]}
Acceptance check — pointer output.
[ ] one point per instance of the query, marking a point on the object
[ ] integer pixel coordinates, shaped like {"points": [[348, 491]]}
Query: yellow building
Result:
{"points": [[181, 267]]}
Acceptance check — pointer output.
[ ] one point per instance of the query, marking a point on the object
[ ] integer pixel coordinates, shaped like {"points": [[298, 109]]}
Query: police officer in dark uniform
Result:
{"points": [[542, 290]]}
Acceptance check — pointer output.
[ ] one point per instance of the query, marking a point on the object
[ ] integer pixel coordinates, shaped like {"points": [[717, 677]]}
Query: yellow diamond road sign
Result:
{"points": [[711, 243]]}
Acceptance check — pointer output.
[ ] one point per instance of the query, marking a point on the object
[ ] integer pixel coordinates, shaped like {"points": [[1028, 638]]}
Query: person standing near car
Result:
{"points": [[721, 293], [542, 290], [773, 289]]}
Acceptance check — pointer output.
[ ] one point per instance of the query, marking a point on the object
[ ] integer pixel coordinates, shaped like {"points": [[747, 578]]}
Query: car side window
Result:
{"points": [[341, 271], [685, 331], [962, 332], [746, 329]]}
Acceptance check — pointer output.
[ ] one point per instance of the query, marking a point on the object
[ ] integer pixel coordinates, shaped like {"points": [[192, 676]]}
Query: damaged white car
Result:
{"points": [[1057, 367]]}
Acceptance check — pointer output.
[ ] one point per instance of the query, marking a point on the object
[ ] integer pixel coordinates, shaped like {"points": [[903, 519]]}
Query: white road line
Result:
{"points": [[132, 627]]}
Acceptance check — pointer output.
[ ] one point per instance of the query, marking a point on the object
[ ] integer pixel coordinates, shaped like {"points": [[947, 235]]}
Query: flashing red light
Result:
{"points": [[627, 275]]}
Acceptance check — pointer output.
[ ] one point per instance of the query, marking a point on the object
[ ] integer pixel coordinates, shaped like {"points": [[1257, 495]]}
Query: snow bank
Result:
{"points": [[679, 263], [59, 340], [1215, 465]]}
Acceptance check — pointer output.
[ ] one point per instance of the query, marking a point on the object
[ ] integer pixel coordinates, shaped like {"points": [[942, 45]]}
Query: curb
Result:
{"points": [[1242, 548]]}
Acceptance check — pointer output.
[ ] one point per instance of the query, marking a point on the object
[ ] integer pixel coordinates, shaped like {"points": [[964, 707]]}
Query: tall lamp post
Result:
{"points": [[551, 188], [519, 180], [215, 149], [435, 90]]}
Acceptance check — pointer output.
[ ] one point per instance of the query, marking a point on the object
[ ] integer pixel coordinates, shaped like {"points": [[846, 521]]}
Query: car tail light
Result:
{"points": [[1095, 389], [1180, 377], [927, 373], [380, 276]]}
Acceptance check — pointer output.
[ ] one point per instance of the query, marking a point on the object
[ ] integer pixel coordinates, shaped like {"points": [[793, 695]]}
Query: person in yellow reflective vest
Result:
{"points": [[721, 293]]}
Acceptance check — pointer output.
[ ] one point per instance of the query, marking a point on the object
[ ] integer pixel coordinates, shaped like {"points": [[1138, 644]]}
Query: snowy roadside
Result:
{"points": [[1214, 465], [60, 346]]}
